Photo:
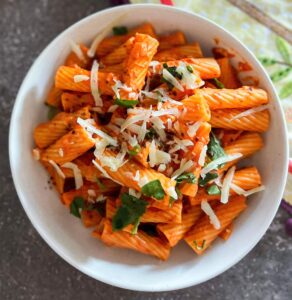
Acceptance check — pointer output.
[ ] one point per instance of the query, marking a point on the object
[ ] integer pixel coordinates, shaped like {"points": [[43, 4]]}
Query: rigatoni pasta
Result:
{"points": [[144, 139]]}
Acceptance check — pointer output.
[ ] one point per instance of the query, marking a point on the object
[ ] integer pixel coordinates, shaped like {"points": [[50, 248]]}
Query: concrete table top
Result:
{"points": [[29, 269]]}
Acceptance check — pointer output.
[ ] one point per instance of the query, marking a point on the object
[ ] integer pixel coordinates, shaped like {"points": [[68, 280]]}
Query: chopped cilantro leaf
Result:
{"points": [[213, 190], [120, 30], [126, 103], [214, 147], [208, 177], [129, 212], [76, 205], [153, 189], [151, 134], [218, 83], [172, 71], [187, 177], [190, 69], [135, 150]]}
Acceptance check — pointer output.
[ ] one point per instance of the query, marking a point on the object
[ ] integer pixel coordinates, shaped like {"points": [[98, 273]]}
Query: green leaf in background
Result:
{"points": [[76, 205], [281, 74], [266, 61], [286, 90], [126, 103], [283, 48], [213, 190]]}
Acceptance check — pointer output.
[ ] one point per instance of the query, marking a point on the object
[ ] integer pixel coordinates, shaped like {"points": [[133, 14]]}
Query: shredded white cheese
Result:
{"points": [[238, 190], [192, 129], [226, 185], [142, 181], [156, 156], [105, 32], [190, 80], [171, 79], [137, 176], [94, 84], [202, 157], [76, 172], [251, 111], [100, 198], [207, 209], [104, 172], [172, 192], [80, 78], [88, 125], [77, 50], [161, 168], [219, 161], [184, 166], [112, 108], [57, 168], [91, 193], [179, 144]]}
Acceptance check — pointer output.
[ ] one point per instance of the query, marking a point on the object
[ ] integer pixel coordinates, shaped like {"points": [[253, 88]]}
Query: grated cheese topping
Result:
{"points": [[89, 125], [57, 168], [207, 209], [94, 84], [192, 129], [238, 190], [77, 50], [61, 152], [80, 78], [251, 111], [219, 161], [171, 79], [226, 185], [104, 172], [106, 31], [76, 172], [184, 166], [157, 157], [202, 156]]}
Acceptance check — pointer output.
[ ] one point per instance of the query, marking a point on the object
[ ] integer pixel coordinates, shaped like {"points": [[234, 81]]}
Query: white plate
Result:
{"points": [[65, 234]]}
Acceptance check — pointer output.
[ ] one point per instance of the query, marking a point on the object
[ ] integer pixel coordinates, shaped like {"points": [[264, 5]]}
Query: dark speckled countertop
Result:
{"points": [[29, 269]]}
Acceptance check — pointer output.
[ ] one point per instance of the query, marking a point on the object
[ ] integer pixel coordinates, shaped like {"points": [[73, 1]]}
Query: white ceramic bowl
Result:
{"points": [[65, 234]]}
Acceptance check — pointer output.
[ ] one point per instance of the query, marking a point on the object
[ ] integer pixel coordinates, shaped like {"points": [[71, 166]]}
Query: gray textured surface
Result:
{"points": [[29, 269]]}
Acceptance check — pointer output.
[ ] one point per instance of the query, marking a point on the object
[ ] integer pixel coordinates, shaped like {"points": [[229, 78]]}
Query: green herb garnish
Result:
{"points": [[135, 150], [200, 247], [172, 71], [208, 178], [120, 30], [187, 177], [218, 83], [213, 190], [52, 112], [190, 69], [151, 134], [76, 205], [129, 212], [153, 189], [126, 103], [214, 147]]}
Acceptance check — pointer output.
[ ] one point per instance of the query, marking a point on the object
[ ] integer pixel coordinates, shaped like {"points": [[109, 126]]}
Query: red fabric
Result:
{"points": [[166, 2]]}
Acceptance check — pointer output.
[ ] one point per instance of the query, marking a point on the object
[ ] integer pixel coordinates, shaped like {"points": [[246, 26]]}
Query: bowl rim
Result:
{"points": [[42, 232]]}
